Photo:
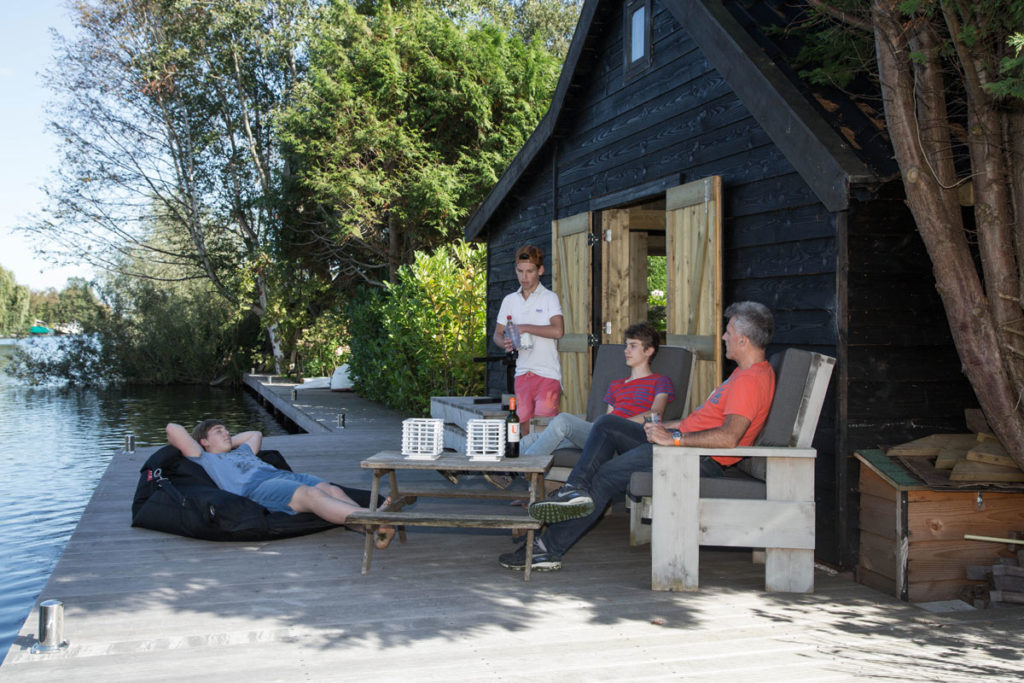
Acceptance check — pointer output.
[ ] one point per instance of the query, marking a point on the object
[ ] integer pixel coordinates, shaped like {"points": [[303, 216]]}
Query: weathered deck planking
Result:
{"points": [[142, 605]]}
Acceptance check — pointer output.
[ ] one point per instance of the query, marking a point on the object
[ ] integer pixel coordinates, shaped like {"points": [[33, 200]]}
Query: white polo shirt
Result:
{"points": [[538, 309]]}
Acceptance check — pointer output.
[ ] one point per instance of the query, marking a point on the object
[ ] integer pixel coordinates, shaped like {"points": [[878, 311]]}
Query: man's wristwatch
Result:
{"points": [[676, 437]]}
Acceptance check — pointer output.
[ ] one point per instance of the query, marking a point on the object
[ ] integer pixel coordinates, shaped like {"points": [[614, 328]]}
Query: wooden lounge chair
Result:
{"points": [[675, 362], [765, 501]]}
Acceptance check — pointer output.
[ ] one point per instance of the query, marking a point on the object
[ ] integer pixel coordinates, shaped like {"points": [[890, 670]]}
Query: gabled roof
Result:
{"points": [[819, 154]]}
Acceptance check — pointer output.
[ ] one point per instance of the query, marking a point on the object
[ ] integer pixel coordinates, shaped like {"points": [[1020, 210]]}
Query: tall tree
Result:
{"points": [[951, 77], [404, 122], [165, 117], [14, 305]]}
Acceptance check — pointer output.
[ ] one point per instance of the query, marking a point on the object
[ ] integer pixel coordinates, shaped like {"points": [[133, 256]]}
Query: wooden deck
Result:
{"points": [[141, 605]]}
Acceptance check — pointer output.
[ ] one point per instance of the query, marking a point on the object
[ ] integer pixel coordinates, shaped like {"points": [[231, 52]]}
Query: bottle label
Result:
{"points": [[513, 432]]}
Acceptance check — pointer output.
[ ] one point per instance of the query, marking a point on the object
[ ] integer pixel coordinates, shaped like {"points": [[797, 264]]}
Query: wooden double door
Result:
{"points": [[685, 227]]}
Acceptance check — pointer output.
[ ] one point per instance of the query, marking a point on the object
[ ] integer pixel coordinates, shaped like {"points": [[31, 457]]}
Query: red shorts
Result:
{"points": [[536, 395]]}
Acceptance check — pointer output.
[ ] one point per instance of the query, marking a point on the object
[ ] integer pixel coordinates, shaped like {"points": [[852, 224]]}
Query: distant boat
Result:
{"points": [[40, 329]]}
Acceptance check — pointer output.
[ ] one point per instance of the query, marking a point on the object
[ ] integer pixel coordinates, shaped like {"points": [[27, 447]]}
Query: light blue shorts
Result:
{"points": [[276, 492]]}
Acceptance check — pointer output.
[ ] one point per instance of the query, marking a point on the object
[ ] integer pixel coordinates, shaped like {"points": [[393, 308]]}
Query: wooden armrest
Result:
{"points": [[740, 452], [539, 423]]}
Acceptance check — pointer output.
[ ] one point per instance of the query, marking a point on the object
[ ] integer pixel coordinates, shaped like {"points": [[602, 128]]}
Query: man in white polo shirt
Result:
{"points": [[537, 313]]}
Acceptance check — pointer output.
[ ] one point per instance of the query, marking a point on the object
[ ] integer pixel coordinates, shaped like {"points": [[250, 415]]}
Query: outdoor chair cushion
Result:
{"points": [[735, 483]]}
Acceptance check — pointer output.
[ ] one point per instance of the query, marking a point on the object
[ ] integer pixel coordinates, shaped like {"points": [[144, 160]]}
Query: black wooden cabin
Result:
{"points": [[813, 223]]}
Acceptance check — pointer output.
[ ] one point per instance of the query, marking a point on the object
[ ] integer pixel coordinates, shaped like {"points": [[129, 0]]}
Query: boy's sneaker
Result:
{"points": [[540, 562], [566, 503]]}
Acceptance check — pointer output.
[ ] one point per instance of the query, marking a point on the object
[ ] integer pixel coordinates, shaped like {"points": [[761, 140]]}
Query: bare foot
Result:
{"points": [[384, 536]]}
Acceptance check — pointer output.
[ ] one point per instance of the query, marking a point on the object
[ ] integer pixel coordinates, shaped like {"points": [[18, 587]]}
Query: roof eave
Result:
{"points": [[818, 153]]}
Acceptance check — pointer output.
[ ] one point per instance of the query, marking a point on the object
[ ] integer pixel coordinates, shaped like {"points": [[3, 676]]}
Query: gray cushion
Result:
{"points": [[675, 362], [791, 369], [733, 484], [565, 457]]}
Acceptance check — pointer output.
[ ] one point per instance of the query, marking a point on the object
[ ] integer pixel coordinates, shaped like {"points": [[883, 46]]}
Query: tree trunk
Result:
{"points": [[936, 211], [275, 343]]}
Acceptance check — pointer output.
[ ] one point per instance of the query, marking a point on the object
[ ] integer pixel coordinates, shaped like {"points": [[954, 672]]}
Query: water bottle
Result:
{"points": [[512, 333]]}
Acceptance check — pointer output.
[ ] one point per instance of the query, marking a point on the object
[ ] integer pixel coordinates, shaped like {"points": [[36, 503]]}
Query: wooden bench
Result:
{"points": [[767, 503]]}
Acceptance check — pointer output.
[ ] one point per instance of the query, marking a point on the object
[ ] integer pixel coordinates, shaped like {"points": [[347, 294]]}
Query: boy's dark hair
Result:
{"points": [[645, 334], [203, 428]]}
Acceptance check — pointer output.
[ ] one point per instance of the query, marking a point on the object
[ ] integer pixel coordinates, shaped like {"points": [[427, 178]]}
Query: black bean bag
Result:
{"points": [[176, 495]]}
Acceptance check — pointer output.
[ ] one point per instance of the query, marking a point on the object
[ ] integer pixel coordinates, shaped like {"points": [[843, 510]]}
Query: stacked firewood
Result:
{"points": [[1004, 580]]}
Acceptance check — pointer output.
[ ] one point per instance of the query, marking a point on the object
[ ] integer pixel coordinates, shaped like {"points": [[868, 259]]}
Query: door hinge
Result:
{"points": [[608, 327]]}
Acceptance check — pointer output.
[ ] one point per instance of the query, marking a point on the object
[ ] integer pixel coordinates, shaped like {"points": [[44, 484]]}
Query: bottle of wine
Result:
{"points": [[512, 430], [512, 332]]}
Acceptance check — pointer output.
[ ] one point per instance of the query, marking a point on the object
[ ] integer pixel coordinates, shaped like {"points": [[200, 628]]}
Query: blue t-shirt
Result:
{"points": [[236, 471]]}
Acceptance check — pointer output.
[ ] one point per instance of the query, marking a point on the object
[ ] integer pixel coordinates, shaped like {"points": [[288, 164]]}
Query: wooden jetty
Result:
{"points": [[142, 605]]}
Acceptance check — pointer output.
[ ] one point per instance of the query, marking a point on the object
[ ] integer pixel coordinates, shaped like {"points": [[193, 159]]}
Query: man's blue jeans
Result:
{"points": [[602, 475]]}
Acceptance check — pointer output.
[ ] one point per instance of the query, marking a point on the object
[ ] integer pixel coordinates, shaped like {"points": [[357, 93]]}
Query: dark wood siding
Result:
{"points": [[856, 285], [524, 218], [904, 374]]}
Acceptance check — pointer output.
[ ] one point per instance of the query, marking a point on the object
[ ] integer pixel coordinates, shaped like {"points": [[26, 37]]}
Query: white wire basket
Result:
{"points": [[422, 438], [485, 439]]}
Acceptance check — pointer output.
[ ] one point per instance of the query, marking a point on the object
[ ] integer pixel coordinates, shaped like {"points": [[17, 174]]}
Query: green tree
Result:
{"points": [[14, 305], [550, 23], [404, 122], [417, 337], [951, 78], [77, 306], [164, 112], [43, 304]]}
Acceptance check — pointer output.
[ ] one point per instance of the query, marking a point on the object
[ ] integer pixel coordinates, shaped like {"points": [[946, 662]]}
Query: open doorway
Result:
{"points": [[659, 260]]}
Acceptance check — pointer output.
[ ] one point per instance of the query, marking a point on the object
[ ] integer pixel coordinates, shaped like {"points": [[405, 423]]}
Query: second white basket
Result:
{"points": [[485, 439], [422, 438]]}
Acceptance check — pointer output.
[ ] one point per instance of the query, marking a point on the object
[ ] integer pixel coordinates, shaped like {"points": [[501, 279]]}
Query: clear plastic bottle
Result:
{"points": [[512, 333]]}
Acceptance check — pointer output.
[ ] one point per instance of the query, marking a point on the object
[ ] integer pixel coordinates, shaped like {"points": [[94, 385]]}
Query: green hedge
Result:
{"points": [[417, 337]]}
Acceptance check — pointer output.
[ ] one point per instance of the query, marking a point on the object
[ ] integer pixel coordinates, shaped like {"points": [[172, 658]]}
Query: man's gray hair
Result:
{"points": [[753, 320]]}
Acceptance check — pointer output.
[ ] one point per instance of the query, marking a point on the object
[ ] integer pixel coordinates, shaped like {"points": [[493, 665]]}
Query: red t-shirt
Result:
{"points": [[629, 397], [746, 392]]}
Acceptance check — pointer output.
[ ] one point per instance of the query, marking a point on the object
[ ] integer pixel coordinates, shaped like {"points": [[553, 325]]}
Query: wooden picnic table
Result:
{"points": [[389, 463]]}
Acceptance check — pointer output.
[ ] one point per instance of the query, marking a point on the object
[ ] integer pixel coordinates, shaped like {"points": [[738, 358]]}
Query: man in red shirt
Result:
{"points": [[733, 415]]}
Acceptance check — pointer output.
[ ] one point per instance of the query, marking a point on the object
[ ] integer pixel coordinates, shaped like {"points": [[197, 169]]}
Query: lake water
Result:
{"points": [[55, 444]]}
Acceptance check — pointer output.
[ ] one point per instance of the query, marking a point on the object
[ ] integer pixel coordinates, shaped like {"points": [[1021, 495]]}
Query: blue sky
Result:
{"points": [[27, 151]]}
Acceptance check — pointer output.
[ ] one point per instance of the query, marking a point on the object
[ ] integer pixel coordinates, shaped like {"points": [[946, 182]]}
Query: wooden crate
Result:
{"points": [[912, 538]]}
